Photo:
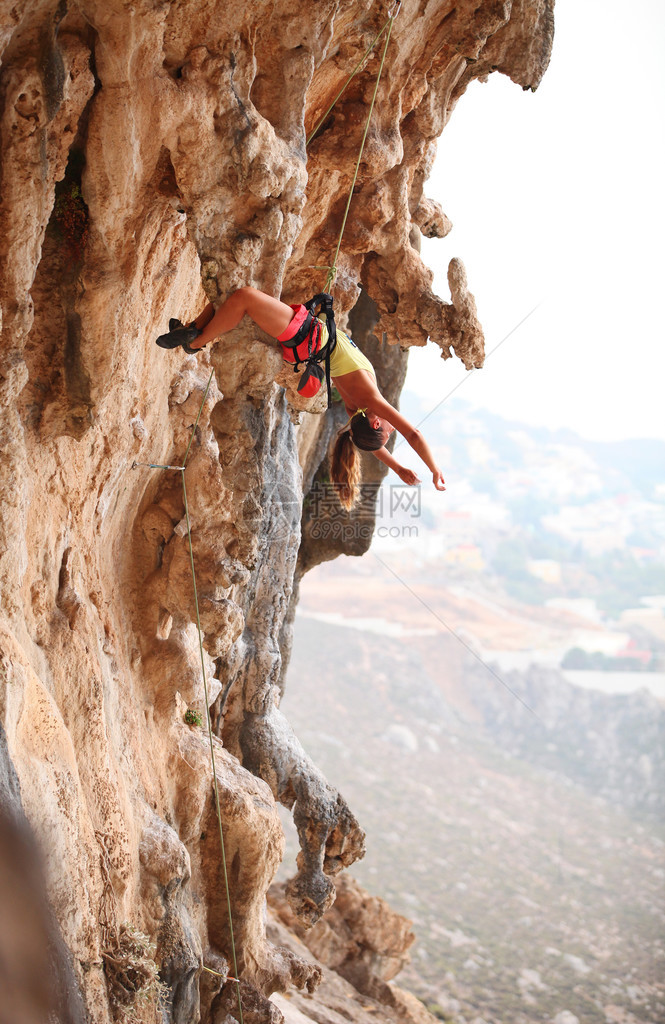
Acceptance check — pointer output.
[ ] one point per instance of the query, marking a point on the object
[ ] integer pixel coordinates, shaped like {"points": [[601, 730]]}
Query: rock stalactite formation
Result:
{"points": [[153, 155]]}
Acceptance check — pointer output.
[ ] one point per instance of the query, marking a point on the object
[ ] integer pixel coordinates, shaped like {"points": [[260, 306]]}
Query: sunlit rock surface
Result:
{"points": [[153, 155]]}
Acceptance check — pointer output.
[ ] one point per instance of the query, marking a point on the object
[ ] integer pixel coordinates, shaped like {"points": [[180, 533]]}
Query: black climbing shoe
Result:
{"points": [[174, 324], [181, 336], [192, 351]]}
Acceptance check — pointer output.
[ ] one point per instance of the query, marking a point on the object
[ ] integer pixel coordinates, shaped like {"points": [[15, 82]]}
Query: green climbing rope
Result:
{"points": [[207, 704], [394, 11], [181, 470]]}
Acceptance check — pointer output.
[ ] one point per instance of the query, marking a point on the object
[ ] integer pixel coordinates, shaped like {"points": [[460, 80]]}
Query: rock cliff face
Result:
{"points": [[154, 153]]}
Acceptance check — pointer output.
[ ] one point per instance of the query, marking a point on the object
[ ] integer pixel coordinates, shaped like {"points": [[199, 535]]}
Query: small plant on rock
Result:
{"points": [[135, 991], [193, 717]]}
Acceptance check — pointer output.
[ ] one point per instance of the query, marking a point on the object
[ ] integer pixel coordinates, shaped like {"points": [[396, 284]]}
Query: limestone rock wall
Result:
{"points": [[153, 154]]}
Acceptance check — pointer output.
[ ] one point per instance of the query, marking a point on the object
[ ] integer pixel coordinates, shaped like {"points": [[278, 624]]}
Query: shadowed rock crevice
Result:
{"points": [[57, 398]]}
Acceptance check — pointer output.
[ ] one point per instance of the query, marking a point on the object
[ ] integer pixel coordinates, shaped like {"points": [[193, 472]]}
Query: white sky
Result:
{"points": [[557, 197]]}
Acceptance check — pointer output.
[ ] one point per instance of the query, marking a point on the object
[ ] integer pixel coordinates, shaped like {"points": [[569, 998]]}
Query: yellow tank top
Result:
{"points": [[346, 356]]}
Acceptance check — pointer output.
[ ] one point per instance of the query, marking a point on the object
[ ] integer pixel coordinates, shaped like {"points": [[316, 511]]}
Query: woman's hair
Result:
{"points": [[344, 461]]}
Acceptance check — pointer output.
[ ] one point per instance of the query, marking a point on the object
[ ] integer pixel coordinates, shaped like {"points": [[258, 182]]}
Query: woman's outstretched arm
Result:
{"points": [[389, 460], [410, 434]]}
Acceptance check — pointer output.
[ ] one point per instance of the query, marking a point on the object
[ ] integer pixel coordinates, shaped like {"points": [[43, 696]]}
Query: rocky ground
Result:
{"points": [[531, 896]]}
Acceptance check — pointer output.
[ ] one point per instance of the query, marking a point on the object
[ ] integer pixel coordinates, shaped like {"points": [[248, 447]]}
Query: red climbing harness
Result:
{"points": [[301, 344]]}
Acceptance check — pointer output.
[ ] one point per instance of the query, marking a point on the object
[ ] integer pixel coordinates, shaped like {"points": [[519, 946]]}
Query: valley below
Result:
{"points": [[488, 697]]}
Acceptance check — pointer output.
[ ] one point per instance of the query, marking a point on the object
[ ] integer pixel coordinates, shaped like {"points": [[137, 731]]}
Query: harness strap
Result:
{"points": [[325, 303], [310, 330], [300, 335]]}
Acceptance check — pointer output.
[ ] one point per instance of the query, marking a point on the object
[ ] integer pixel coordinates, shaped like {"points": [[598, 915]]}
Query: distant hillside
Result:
{"points": [[636, 464], [611, 745], [531, 894], [544, 514]]}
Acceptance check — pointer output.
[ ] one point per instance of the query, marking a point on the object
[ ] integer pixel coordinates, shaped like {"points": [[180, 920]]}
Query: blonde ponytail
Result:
{"points": [[345, 470]]}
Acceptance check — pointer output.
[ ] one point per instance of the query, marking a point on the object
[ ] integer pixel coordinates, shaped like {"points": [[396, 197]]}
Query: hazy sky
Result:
{"points": [[557, 198]]}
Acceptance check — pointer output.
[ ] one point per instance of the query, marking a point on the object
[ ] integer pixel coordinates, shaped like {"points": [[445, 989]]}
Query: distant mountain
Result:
{"points": [[640, 464], [544, 514]]}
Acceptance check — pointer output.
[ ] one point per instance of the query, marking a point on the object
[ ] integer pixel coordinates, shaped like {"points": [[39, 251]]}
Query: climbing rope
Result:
{"points": [[181, 470], [394, 11]]}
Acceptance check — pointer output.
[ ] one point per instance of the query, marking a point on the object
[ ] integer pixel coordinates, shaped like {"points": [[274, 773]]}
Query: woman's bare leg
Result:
{"points": [[204, 318], [272, 315]]}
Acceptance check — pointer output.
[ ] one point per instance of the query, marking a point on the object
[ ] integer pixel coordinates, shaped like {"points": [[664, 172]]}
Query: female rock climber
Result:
{"points": [[371, 418]]}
